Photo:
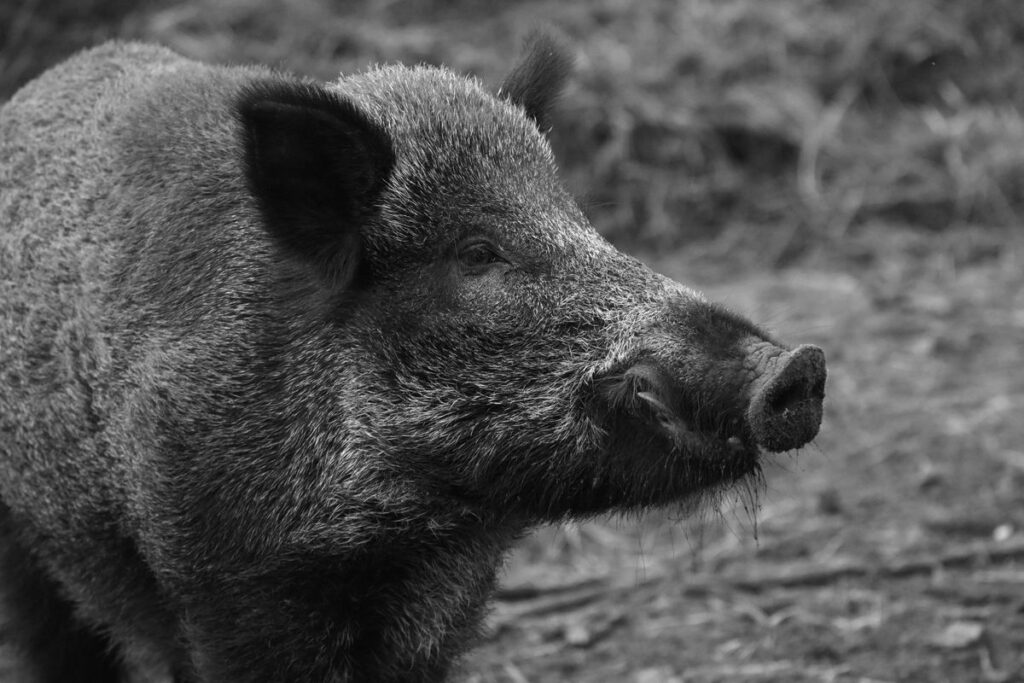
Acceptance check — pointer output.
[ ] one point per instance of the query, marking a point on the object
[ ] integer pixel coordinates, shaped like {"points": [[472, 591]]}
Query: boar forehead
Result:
{"points": [[467, 162]]}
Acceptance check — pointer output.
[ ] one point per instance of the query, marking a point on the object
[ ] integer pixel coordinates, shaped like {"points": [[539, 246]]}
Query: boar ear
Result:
{"points": [[537, 81], [316, 166]]}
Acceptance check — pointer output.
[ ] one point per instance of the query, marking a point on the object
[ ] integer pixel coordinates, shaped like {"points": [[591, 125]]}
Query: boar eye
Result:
{"points": [[477, 257]]}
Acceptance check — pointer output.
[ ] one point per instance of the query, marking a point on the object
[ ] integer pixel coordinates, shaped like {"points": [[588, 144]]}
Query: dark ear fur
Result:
{"points": [[316, 166], [537, 81]]}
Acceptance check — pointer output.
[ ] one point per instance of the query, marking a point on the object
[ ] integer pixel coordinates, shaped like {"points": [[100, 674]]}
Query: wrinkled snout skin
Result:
{"points": [[287, 367], [720, 375], [689, 378]]}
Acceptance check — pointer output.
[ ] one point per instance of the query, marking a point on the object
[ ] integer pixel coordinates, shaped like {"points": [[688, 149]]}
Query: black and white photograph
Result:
{"points": [[611, 341]]}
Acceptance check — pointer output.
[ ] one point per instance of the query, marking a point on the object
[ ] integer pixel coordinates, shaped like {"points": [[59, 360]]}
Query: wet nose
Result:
{"points": [[785, 410]]}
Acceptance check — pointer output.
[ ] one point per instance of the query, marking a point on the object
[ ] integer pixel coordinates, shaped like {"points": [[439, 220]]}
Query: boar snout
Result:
{"points": [[786, 401], [719, 409]]}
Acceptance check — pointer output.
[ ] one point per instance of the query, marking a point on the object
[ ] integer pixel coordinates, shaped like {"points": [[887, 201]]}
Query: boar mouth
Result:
{"points": [[687, 438], [643, 401]]}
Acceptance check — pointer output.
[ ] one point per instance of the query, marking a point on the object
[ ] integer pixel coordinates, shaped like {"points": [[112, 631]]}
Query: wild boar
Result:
{"points": [[287, 367]]}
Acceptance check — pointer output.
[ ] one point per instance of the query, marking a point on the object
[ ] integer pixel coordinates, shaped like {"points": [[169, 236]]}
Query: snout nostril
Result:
{"points": [[788, 397], [786, 411], [801, 379]]}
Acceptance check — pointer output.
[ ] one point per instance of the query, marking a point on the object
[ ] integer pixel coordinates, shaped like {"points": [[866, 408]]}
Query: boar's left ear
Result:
{"points": [[537, 81], [316, 166]]}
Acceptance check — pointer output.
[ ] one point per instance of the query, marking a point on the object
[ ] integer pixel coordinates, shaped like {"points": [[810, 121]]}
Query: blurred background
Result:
{"points": [[848, 174]]}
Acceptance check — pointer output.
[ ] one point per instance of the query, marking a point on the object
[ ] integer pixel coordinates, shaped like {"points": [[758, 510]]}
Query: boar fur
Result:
{"points": [[287, 367]]}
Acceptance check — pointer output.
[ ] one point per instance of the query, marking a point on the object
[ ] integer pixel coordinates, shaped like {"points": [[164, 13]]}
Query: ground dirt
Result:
{"points": [[849, 175]]}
